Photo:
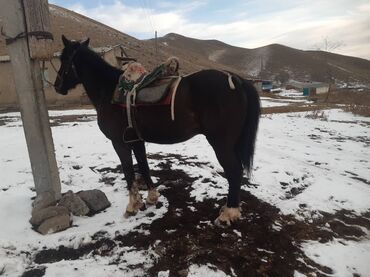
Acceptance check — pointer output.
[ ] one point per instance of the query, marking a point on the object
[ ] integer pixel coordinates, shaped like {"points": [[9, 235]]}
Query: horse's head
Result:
{"points": [[67, 77]]}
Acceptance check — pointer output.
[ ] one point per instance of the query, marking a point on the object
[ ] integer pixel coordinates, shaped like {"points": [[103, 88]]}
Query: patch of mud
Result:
{"points": [[65, 119], [101, 247], [262, 243], [362, 139], [339, 138], [10, 120], [358, 178], [34, 272], [296, 186]]}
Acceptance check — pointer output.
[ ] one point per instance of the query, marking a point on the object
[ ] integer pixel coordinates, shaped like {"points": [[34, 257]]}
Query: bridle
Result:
{"points": [[67, 67]]}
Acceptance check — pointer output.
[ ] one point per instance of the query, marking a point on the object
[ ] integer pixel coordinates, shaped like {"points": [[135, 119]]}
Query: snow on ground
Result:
{"points": [[289, 92], [304, 166], [267, 102], [326, 159], [347, 258]]}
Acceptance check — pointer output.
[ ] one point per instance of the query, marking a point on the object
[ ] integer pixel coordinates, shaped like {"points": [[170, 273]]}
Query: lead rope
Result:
{"points": [[43, 70]]}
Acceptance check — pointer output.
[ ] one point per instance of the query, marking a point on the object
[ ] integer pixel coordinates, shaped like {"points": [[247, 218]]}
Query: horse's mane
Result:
{"points": [[97, 63]]}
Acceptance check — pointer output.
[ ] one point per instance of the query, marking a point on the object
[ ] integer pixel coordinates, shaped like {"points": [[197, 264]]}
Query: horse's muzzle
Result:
{"points": [[59, 90], [58, 86]]}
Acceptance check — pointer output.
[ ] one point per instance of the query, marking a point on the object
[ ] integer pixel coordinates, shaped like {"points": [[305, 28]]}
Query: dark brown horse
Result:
{"points": [[205, 104]]}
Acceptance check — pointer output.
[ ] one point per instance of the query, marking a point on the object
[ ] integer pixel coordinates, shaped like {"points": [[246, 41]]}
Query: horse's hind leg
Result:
{"points": [[140, 155], [233, 169], [124, 153]]}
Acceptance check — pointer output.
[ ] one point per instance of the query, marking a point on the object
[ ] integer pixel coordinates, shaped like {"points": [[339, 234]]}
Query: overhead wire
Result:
{"points": [[145, 6], [147, 14]]}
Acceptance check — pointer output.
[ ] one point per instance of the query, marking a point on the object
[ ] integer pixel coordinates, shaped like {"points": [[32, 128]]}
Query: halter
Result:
{"points": [[67, 68]]}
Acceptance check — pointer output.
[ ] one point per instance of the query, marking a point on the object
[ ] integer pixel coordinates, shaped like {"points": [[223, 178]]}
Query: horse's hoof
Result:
{"points": [[129, 214], [152, 198], [222, 209], [221, 224], [227, 216], [132, 210]]}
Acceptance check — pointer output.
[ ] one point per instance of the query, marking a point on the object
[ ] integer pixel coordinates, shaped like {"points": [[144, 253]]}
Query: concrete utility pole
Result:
{"points": [[21, 17], [156, 44]]}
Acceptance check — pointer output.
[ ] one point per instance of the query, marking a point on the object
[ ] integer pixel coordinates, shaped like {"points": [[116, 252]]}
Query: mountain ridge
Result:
{"points": [[266, 62]]}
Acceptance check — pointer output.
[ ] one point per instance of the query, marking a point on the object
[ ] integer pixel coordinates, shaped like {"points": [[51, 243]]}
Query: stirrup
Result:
{"points": [[130, 135]]}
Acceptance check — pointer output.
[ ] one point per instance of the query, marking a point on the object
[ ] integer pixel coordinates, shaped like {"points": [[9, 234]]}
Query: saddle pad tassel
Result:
{"points": [[230, 79], [173, 99]]}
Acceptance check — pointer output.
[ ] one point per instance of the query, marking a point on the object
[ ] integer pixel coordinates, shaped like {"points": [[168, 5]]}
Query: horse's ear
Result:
{"points": [[66, 42], [85, 42]]}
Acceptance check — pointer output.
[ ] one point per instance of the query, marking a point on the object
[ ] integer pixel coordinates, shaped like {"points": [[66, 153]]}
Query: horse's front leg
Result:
{"points": [[124, 153], [140, 155]]}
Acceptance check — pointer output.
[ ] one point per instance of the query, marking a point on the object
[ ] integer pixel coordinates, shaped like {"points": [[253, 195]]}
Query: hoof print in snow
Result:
{"points": [[95, 199], [34, 272], [55, 224], [43, 200], [74, 204]]}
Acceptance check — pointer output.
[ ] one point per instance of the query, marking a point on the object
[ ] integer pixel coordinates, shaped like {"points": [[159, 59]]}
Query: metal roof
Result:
{"points": [[307, 84]]}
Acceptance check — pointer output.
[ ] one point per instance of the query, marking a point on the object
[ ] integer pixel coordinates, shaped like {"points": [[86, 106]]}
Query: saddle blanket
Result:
{"points": [[151, 88]]}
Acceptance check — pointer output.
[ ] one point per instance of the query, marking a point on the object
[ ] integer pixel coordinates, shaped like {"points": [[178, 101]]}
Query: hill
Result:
{"points": [[77, 26], [270, 60], [194, 54]]}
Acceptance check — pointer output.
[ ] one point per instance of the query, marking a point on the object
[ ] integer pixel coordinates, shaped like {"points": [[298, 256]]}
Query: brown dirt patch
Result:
{"points": [[263, 243]]}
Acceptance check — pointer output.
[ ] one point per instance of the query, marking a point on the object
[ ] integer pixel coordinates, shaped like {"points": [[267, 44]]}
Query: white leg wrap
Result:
{"points": [[152, 198], [228, 215], [135, 201]]}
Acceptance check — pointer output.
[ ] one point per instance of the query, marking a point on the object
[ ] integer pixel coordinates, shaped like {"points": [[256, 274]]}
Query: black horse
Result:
{"points": [[206, 103]]}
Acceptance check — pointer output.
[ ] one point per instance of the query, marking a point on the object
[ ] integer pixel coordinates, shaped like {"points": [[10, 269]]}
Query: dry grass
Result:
{"points": [[296, 107], [345, 96], [356, 102], [358, 109], [317, 114]]}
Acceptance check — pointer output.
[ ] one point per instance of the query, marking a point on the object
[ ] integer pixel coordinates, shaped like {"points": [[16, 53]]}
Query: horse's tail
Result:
{"points": [[246, 144]]}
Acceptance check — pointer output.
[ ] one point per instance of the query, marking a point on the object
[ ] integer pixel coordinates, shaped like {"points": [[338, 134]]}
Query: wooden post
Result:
{"points": [[31, 99], [37, 19]]}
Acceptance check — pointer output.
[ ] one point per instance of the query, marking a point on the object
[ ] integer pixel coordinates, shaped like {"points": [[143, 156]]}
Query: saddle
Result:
{"points": [[146, 88], [137, 87]]}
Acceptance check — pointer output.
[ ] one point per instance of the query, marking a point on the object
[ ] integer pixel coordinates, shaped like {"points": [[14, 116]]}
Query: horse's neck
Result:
{"points": [[98, 78]]}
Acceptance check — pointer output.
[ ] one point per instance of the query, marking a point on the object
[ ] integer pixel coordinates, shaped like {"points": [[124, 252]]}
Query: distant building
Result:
{"points": [[266, 86], [114, 55], [257, 84], [262, 85], [309, 88]]}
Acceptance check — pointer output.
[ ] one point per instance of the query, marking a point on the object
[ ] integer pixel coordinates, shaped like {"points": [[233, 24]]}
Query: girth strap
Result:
{"points": [[130, 101]]}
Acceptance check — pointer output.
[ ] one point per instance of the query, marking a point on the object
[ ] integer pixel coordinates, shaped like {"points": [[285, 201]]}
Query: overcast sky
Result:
{"points": [[296, 23]]}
